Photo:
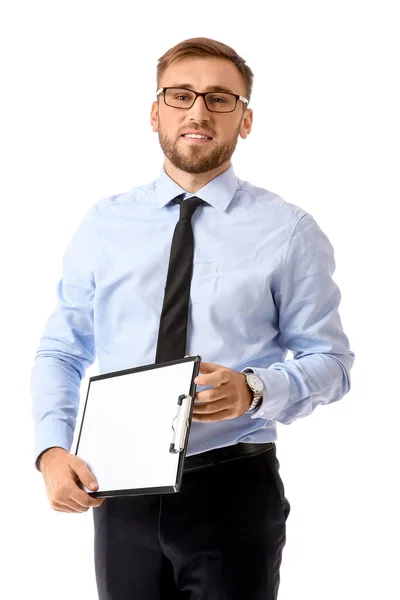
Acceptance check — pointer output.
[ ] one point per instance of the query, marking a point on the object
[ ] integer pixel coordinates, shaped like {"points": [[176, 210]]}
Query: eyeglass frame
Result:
{"points": [[203, 94]]}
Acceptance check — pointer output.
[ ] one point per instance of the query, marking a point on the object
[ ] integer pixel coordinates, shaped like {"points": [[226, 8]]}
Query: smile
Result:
{"points": [[196, 140]]}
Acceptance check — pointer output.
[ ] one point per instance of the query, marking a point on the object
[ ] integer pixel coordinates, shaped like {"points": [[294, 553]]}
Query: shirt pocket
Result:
{"points": [[203, 281]]}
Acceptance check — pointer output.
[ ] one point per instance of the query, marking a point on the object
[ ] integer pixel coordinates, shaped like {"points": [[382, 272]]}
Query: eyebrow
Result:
{"points": [[210, 88]]}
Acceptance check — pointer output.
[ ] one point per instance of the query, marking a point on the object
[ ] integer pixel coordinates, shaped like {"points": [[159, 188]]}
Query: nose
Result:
{"points": [[199, 109]]}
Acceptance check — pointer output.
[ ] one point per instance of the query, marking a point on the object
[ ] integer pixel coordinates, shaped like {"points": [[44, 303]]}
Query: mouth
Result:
{"points": [[196, 140], [199, 136]]}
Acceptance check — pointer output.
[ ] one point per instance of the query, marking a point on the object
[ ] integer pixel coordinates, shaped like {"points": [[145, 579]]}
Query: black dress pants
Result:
{"points": [[220, 538]]}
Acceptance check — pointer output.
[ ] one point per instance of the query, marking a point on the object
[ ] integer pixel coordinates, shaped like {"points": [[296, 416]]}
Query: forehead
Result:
{"points": [[202, 73]]}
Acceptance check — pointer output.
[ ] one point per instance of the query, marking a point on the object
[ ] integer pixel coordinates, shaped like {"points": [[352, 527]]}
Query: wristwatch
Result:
{"points": [[257, 388]]}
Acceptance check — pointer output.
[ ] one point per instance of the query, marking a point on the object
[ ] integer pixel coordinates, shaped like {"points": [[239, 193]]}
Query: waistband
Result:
{"points": [[220, 455]]}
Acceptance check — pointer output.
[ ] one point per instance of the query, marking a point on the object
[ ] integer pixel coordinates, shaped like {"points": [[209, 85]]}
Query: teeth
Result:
{"points": [[194, 135]]}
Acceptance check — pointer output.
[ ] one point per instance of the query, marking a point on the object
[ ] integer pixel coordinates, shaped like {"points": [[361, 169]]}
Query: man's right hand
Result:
{"points": [[61, 471]]}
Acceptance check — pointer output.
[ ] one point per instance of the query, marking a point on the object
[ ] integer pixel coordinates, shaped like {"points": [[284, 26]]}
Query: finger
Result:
{"points": [[80, 471], [83, 499], [213, 379], [211, 395], [212, 406], [63, 507], [71, 506], [210, 418], [93, 503]]}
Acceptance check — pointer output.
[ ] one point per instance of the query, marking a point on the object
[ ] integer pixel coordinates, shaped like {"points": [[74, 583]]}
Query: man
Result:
{"points": [[261, 284]]}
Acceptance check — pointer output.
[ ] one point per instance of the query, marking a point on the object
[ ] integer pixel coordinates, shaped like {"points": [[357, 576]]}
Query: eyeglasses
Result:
{"points": [[221, 102]]}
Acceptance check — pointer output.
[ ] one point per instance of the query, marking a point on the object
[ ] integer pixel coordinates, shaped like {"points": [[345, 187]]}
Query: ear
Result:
{"points": [[247, 122], [154, 116]]}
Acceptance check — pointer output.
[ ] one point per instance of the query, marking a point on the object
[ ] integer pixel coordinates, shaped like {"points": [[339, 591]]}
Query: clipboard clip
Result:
{"points": [[180, 423]]}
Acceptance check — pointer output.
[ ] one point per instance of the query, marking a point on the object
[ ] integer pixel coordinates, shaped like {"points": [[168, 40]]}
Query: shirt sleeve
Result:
{"points": [[307, 299], [67, 347]]}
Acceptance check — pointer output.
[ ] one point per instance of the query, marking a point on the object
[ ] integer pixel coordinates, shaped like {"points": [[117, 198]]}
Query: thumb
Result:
{"points": [[84, 473]]}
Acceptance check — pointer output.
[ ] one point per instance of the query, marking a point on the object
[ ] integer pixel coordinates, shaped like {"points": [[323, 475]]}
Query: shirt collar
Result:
{"points": [[218, 192]]}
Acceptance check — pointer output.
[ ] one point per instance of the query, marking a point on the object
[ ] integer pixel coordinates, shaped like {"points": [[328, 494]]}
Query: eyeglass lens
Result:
{"points": [[215, 101]]}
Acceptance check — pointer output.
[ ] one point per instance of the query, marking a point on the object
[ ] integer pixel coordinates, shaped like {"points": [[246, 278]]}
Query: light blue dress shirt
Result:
{"points": [[262, 284]]}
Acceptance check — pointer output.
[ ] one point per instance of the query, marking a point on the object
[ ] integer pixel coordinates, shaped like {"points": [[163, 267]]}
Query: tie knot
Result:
{"points": [[187, 207]]}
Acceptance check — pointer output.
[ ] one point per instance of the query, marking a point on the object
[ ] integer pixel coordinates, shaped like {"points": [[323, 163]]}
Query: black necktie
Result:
{"points": [[171, 344]]}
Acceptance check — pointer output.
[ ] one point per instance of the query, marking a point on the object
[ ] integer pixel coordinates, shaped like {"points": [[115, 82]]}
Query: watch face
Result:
{"points": [[255, 383]]}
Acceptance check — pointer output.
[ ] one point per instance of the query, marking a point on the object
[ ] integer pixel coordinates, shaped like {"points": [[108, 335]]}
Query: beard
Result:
{"points": [[196, 158]]}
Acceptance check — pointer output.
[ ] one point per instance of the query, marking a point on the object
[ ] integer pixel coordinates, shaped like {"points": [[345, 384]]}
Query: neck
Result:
{"points": [[192, 182]]}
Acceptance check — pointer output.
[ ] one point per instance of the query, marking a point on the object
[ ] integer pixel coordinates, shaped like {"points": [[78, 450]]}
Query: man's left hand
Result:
{"points": [[230, 396]]}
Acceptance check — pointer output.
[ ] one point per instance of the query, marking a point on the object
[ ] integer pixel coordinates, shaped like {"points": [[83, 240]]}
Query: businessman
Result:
{"points": [[197, 262]]}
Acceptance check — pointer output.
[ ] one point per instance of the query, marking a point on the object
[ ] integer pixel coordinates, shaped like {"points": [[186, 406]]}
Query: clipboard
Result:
{"points": [[135, 428]]}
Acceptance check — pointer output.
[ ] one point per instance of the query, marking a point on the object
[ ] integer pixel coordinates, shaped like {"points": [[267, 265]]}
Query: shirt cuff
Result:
{"points": [[276, 392], [52, 433]]}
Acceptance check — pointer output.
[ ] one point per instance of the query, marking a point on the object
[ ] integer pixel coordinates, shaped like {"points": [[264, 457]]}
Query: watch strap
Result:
{"points": [[255, 404]]}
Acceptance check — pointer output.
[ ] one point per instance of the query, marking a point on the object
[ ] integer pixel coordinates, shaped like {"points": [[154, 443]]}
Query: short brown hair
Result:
{"points": [[201, 46]]}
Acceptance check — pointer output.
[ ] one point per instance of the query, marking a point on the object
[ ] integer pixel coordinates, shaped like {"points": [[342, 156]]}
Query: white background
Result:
{"points": [[78, 79]]}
